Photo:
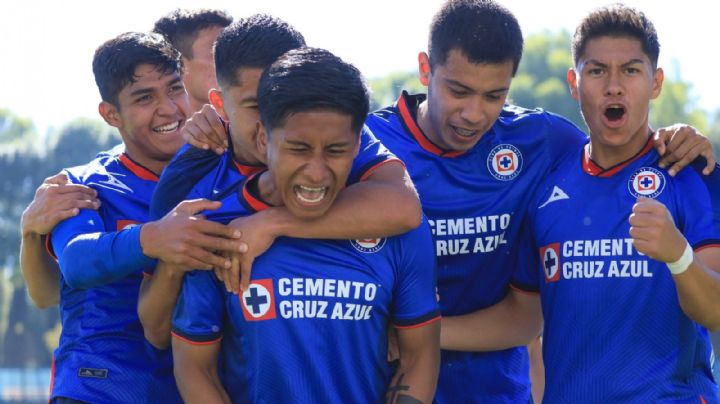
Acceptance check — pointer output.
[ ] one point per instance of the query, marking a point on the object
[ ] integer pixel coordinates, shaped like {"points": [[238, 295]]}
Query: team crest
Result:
{"points": [[647, 182], [368, 245], [550, 258], [258, 301], [505, 162]]}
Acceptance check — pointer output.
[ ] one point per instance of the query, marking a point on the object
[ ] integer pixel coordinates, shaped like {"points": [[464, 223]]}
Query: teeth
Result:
{"points": [[464, 132], [171, 127], [310, 194]]}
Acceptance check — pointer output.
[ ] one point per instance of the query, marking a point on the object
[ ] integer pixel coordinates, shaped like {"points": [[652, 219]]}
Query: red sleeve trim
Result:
{"points": [[370, 170], [191, 342], [524, 291], [424, 323], [703, 247], [49, 248]]}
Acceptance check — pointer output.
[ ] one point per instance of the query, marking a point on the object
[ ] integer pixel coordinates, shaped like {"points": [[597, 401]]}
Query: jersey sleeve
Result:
{"points": [[200, 310], [526, 276], [372, 155], [563, 138], [188, 167], [697, 196], [89, 255], [712, 184], [415, 294]]}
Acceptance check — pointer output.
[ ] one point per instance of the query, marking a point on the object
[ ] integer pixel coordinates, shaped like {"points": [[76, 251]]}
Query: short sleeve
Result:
{"points": [[372, 155], [415, 293], [200, 309]]}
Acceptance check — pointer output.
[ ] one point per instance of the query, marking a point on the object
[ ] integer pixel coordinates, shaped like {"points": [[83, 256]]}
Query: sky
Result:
{"points": [[46, 47]]}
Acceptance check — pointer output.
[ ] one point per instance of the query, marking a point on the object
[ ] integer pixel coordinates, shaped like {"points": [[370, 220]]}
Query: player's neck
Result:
{"points": [[267, 190], [423, 121], [608, 155]]}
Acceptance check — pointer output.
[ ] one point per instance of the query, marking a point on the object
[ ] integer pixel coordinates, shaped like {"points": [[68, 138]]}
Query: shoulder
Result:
{"points": [[96, 168]]}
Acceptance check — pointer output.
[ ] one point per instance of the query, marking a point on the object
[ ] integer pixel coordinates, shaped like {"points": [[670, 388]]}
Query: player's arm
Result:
{"points": [[384, 204], [416, 376], [514, 321], [195, 368], [696, 274], [55, 200], [159, 292], [679, 145]]}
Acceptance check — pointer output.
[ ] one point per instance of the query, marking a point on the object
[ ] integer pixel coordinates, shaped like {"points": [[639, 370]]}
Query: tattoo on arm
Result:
{"points": [[394, 395]]}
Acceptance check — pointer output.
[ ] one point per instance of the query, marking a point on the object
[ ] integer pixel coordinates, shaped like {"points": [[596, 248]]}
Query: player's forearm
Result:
{"points": [[363, 210], [200, 386], [515, 321], [415, 379], [698, 290], [40, 272], [94, 259], [158, 295]]}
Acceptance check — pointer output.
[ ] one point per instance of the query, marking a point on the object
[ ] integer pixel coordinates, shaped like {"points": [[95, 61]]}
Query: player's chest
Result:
{"points": [[332, 282]]}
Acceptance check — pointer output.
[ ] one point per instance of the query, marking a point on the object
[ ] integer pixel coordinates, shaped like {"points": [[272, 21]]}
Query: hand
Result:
{"points": [[204, 130], [184, 239], [653, 231], [56, 200], [681, 144], [258, 237]]}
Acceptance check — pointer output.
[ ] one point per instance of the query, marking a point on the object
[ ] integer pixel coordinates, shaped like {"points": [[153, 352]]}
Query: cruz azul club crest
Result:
{"points": [[647, 182], [368, 245], [505, 162]]}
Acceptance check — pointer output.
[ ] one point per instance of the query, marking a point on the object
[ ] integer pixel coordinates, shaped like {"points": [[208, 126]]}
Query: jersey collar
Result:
{"points": [[137, 169], [592, 168], [408, 114], [249, 196]]}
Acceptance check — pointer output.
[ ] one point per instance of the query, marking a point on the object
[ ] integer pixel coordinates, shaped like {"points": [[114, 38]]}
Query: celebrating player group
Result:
{"points": [[260, 236]]}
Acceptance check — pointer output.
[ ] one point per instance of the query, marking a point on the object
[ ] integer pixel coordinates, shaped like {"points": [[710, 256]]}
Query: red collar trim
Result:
{"points": [[595, 170], [135, 168], [247, 170], [255, 202], [418, 134]]}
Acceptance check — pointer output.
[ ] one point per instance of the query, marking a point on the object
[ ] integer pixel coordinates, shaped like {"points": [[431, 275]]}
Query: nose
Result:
{"points": [[613, 84], [316, 169], [473, 112], [167, 106]]}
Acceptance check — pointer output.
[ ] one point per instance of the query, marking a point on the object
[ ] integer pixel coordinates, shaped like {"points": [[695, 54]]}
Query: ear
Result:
{"points": [[261, 141], [110, 114], [658, 79], [216, 99], [572, 83], [424, 68]]}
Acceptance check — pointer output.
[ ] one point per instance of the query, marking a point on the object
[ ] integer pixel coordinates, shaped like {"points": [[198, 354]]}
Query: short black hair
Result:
{"points": [[181, 26], [253, 42], [311, 79], [482, 30], [617, 20], [115, 61]]}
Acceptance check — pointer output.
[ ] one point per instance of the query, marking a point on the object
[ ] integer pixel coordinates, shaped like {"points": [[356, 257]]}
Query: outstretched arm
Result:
{"points": [[514, 321]]}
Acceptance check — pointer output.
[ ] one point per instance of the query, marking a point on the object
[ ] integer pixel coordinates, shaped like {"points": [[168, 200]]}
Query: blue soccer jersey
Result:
{"points": [[614, 329], [103, 356], [312, 327], [474, 202], [191, 166]]}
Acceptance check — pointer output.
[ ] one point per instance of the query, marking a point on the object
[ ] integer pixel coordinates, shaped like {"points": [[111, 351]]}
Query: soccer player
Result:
{"points": [[102, 355], [476, 162], [193, 33], [626, 300], [312, 326], [367, 208]]}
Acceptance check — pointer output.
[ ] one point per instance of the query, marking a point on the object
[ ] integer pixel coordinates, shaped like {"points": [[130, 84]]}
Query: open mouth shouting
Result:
{"points": [[614, 115], [310, 195]]}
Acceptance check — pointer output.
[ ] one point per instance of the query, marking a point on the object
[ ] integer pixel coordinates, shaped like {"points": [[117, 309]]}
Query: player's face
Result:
{"points": [[199, 76], [239, 107], [309, 160], [151, 111], [464, 100], [614, 82]]}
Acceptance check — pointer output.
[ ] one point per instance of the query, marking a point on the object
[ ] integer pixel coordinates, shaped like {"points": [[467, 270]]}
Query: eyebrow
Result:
{"points": [[146, 90], [595, 62], [459, 84]]}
